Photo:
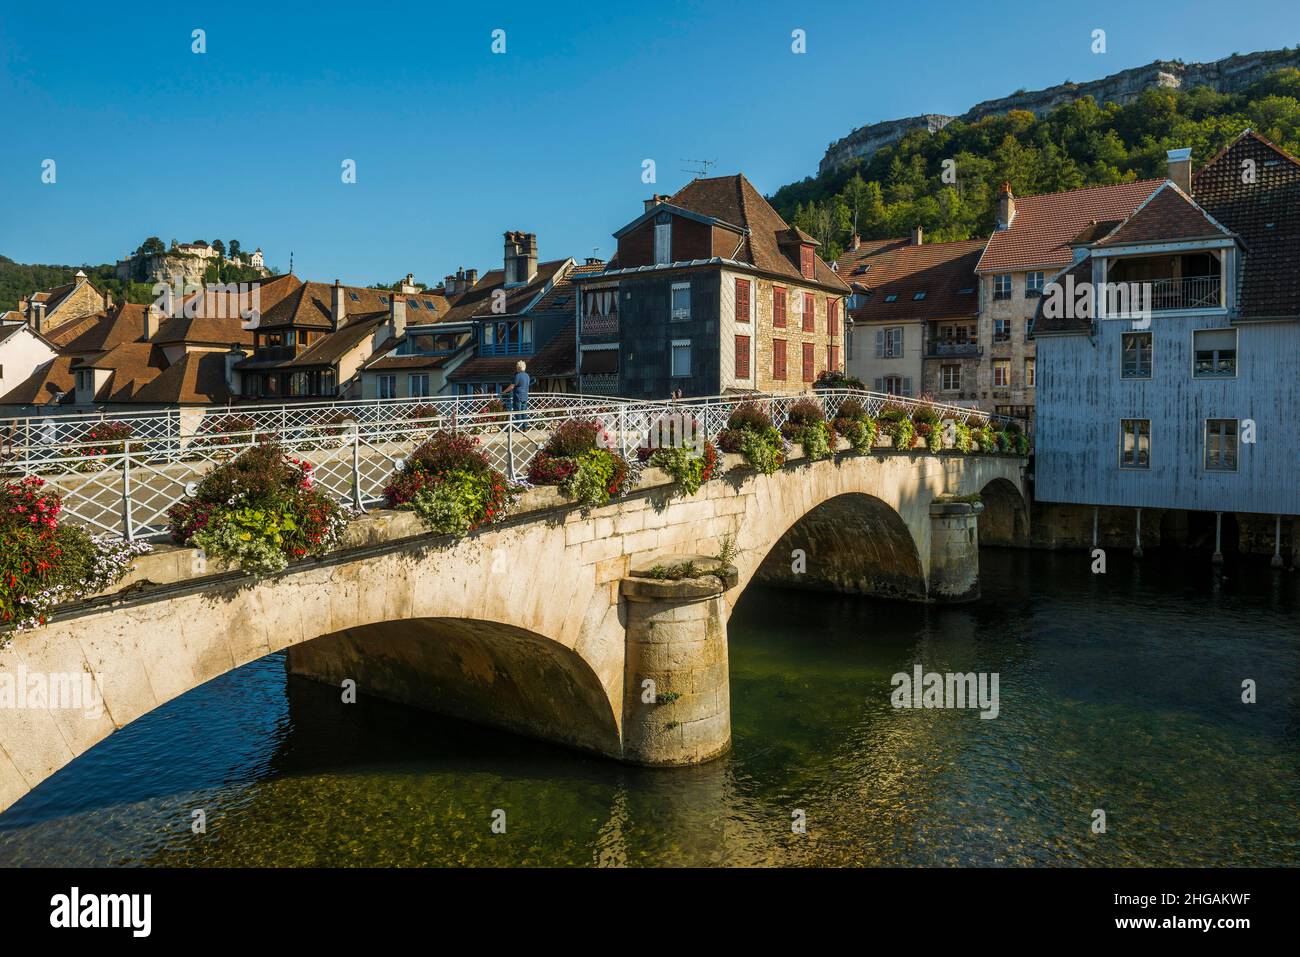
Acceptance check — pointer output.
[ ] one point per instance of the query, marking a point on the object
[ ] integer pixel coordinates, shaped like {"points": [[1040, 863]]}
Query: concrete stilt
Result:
{"points": [[1095, 511], [1276, 561], [1217, 557], [1137, 547]]}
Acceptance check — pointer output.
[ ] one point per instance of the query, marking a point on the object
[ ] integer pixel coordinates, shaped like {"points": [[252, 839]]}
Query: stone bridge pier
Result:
{"points": [[602, 629]]}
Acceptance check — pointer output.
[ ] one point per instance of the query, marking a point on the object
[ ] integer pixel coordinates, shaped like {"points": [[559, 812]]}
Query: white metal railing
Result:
{"points": [[126, 486]]}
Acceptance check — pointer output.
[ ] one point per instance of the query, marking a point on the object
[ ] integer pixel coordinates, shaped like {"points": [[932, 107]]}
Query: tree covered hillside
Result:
{"points": [[1079, 144]]}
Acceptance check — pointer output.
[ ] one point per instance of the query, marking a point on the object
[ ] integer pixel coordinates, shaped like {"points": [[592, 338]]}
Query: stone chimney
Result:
{"points": [[338, 307], [1180, 168], [471, 278], [855, 242], [36, 315], [449, 285], [397, 316], [1006, 207], [654, 201], [408, 286], [235, 356], [918, 235], [108, 301], [520, 258], [152, 319]]}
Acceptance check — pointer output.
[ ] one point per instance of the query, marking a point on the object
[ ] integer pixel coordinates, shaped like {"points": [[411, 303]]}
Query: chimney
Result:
{"points": [[855, 242], [654, 201], [1006, 207], [37, 316], [338, 308], [152, 317], [918, 235], [449, 284], [108, 301], [397, 316], [408, 285], [471, 279], [235, 356], [520, 258], [1180, 168]]}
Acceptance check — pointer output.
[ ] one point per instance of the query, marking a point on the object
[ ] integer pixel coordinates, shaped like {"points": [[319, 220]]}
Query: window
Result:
{"points": [[428, 305], [681, 301], [1001, 330], [663, 238], [778, 307], [1221, 445], [806, 261], [832, 317], [895, 384], [1002, 286], [889, 343], [833, 358], [809, 313], [807, 362], [1001, 373], [355, 297], [950, 378], [413, 303], [1216, 353], [1033, 285], [1134, 443], [681, 358], [384, 300], [742, 300], [918, 297], [299, 384], [1135, 351], [891, 298], [327, 386], [778, 359], [417, 384], [387, 386], [1031, 373], [742, 357]]}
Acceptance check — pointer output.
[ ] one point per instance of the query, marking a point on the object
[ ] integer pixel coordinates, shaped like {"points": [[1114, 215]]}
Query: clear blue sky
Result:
{"points": [[454, 145]]}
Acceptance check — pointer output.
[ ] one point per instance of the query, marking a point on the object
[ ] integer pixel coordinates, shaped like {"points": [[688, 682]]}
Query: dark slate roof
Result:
{"points": [[1265, 214]]}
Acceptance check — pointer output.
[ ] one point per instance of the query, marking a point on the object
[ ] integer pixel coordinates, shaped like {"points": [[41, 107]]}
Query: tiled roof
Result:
{"points": [[44, 385], [195, 378], [1040, 233], [329, 348], [477, 303], [734, 200], [100, 331], [180, 329], [1168, 215], [308, 304], [1265, 214], [943, 272], [133, 364]]}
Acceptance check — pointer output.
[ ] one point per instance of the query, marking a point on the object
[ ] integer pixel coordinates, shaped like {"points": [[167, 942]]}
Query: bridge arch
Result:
{"points": [[1005, 518], [482, 671], [851, 543]]}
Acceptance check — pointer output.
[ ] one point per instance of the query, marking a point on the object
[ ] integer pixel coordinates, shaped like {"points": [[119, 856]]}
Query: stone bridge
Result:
{"points": [[557, 623]]}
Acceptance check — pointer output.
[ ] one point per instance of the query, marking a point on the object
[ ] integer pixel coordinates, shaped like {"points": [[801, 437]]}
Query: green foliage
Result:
{"points": [[251, 538], [1077, 144], [458, 501], [901, 430], [962, 439], [593, 479], [689, 468], [763, 450]]}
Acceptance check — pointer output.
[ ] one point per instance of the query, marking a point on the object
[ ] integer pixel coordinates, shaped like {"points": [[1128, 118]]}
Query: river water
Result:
{"points": [[1120, 692]]}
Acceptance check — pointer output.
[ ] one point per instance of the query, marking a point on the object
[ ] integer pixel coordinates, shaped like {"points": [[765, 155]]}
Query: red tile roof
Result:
{"points": [[943, 272], [1040, 233], [734, 200], [46, 384], [197, 378], [1265, 214], [1168, 215]]}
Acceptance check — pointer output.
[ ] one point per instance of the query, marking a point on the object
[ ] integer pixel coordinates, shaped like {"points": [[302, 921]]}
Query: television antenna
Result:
{"points": [[702, 164]]}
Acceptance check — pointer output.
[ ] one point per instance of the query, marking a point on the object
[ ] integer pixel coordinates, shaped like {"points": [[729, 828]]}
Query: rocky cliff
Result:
{"points": [[1226, 76]]}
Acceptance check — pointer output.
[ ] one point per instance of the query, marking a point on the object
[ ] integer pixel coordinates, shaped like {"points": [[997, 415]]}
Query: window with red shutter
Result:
{"points": [[742, 357], [778, 358], [807, 362], [833, 358], [742, 300], [832, 317], [806, 261], [778, 307], [809, 315]]}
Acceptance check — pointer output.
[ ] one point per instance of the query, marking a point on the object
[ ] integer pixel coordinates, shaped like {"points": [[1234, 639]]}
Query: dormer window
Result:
{"points": [[806, 263], [384, 300], [355, 297], [918, 297], [663, 238]]}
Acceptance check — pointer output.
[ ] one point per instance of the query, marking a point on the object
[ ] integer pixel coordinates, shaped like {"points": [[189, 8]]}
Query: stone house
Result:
{"points": [[46, 311], [710, 291]]}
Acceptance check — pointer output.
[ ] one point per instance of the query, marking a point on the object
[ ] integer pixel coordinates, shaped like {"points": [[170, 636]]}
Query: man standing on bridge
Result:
{"points": [[518, 391]]}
